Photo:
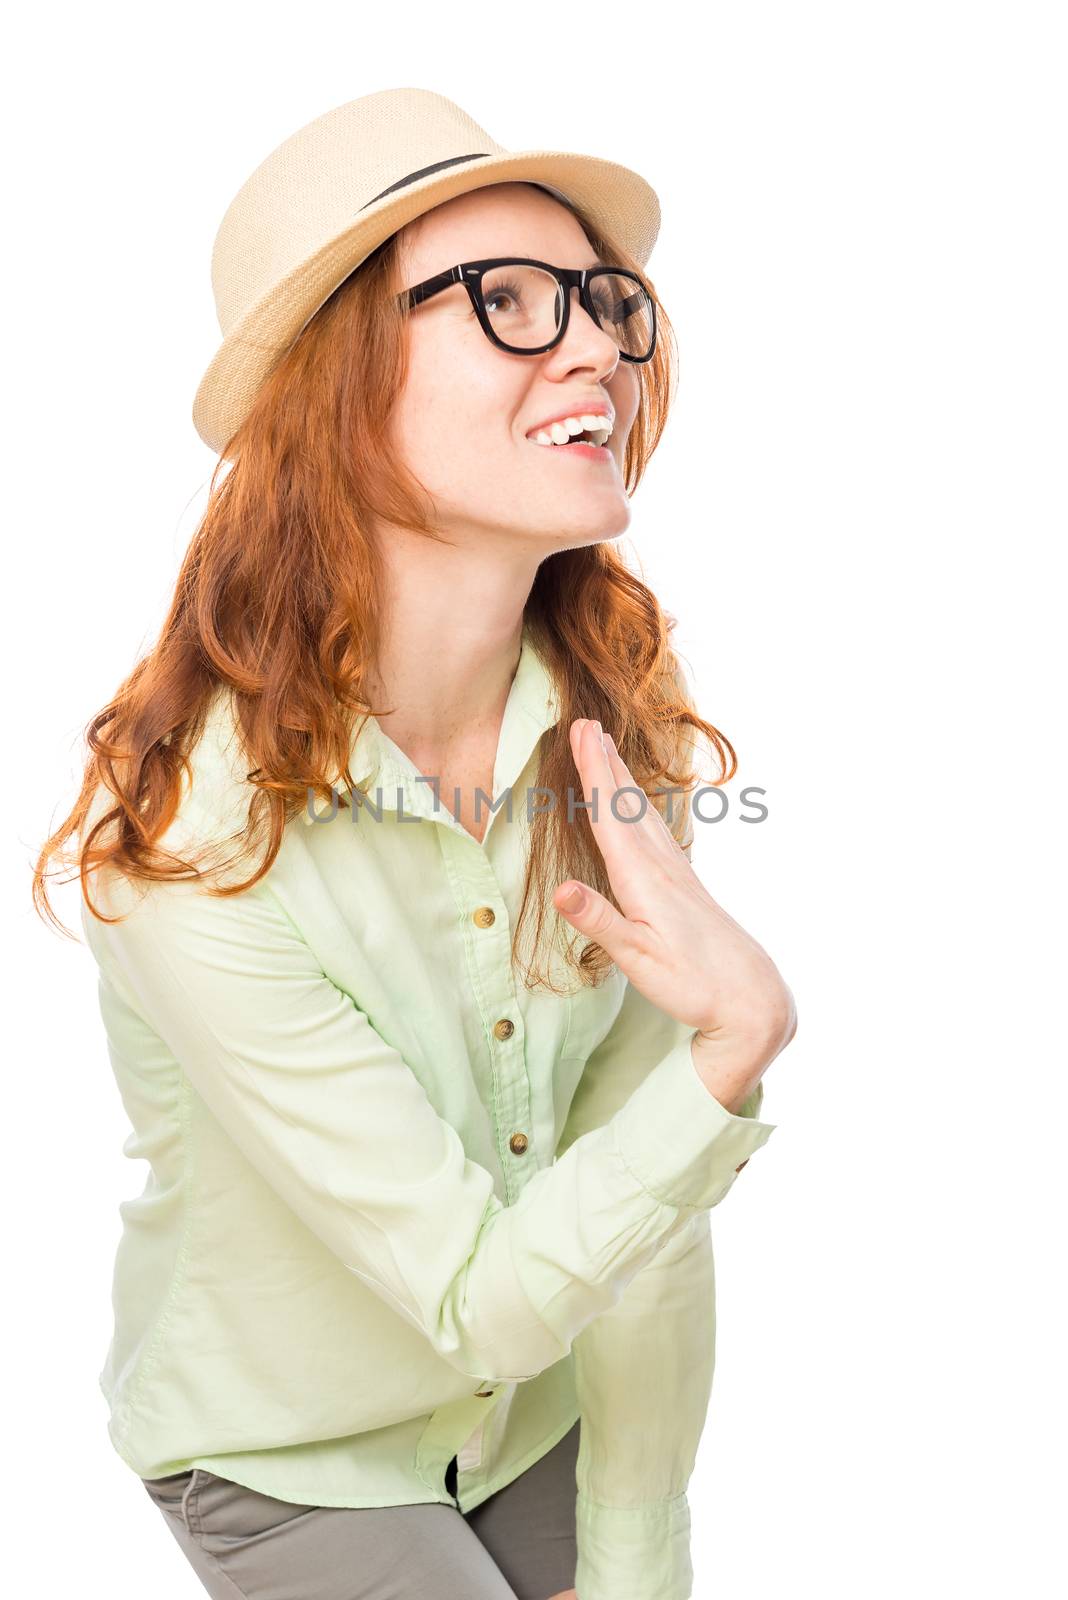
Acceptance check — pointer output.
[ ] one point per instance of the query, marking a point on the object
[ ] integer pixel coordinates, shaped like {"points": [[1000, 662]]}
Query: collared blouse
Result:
{"points": [[398, 1207]]}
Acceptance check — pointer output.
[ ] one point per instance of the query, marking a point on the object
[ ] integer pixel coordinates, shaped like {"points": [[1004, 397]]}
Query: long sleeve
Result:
{"points": [[643, 1369], [336, 1121]]}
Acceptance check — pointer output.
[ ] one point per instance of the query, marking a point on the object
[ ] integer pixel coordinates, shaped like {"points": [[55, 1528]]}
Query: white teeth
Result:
{"points": [[598, 427]]}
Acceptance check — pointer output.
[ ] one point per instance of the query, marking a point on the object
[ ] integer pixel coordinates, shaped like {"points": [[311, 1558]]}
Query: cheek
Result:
{"points": [[625, 390], [455, 404]]}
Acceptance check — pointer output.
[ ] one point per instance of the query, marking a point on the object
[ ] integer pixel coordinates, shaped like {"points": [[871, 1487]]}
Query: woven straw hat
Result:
{"points": [[335, 190]]}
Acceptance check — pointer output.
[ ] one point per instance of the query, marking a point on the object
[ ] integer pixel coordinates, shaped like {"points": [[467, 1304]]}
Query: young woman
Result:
{"points": [[438, 1050]]}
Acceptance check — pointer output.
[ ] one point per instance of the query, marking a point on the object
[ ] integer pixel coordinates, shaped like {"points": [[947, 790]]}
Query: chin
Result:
{"points": [[580, 541]]}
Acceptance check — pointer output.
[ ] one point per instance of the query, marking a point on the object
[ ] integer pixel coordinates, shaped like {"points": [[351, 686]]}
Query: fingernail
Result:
{"points": [[572, 898], [600, 735]]}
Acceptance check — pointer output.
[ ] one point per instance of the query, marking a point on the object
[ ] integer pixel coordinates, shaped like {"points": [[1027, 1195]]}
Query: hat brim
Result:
{"points": [[615, 197]]}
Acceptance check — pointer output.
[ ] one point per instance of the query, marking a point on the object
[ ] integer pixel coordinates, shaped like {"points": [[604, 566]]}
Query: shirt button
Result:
{"points": [[484, 917], [503, 1029], [517, 1143]]}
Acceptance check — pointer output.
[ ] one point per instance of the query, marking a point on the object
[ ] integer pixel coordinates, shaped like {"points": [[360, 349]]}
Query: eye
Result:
{"points": [[503, 291], [606, 304]]}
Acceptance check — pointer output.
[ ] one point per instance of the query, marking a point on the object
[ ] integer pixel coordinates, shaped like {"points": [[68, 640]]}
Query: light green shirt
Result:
{"points": [[398, 1207]]}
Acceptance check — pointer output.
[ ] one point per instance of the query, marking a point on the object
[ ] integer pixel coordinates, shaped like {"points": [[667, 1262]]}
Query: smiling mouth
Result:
{"points": [[580, 450], [558, 435]]}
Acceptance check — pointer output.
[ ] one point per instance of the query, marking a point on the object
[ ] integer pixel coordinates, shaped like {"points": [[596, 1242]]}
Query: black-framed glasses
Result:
{"points": [[524, 306]]}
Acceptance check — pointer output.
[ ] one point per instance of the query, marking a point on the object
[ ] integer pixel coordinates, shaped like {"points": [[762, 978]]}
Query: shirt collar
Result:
{"points": [[533, 705]]}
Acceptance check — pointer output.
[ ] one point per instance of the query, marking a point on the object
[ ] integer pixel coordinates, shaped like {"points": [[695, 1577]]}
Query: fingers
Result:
{"points": [[596, 918], [614, 836], [652, 823], [632, 822]]}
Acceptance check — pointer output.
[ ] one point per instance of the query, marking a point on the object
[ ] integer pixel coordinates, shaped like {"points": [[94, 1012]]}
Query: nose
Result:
{"points": [[585, 334]]}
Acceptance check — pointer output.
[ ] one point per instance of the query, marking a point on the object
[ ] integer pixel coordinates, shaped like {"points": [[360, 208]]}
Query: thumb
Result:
{"points": [[592, 915]]}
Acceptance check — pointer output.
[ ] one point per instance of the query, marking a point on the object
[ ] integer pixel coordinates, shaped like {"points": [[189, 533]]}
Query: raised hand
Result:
{"points": [[673, 941]]}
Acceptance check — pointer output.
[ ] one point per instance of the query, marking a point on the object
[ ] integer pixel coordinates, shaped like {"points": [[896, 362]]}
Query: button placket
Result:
{"points": [[488, 936]]}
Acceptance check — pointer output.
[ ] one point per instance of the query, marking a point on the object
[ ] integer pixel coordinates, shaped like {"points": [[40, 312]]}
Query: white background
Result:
{"points": [[857, 516]]}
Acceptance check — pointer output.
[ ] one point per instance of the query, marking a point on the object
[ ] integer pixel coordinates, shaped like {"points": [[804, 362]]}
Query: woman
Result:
{"points": [[438, 1049]]}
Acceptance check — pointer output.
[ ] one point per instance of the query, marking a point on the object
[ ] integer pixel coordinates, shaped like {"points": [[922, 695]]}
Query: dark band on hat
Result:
{"points": [[424, 172]]}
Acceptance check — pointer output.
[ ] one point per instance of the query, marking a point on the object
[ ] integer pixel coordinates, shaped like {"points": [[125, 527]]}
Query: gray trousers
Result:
{"points": [[517, 1545]]}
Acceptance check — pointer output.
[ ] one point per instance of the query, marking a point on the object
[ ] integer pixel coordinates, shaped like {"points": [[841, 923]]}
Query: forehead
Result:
{"points": [[502, 219]]}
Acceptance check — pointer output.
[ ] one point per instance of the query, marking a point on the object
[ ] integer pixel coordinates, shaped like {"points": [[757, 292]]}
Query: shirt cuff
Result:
{"points": [[676, 1138], [633, 1552]]}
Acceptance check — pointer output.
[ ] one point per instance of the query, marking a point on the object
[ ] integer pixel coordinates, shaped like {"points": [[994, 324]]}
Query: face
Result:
{"points": [[462, 422]]}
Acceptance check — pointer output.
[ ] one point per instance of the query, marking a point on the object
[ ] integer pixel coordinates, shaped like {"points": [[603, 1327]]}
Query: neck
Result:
{"points": [[450, 637]]}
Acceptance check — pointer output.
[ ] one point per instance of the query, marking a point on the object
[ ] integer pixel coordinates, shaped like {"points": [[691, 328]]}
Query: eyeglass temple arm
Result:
{"points": [[624, 308], [423, 291]]}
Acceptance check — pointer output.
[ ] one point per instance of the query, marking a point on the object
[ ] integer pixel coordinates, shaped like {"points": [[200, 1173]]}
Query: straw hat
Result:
{"points": [[335, 190]]}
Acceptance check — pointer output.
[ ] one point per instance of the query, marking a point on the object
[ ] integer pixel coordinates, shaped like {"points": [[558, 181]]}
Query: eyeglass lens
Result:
{"points": [[524, 306]]}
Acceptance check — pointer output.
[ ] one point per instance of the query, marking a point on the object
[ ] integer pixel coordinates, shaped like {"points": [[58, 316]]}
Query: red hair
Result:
{"points": [[277, 599]]}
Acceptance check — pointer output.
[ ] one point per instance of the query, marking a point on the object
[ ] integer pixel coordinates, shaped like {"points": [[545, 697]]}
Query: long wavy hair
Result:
{"points": [[277, 599]]}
